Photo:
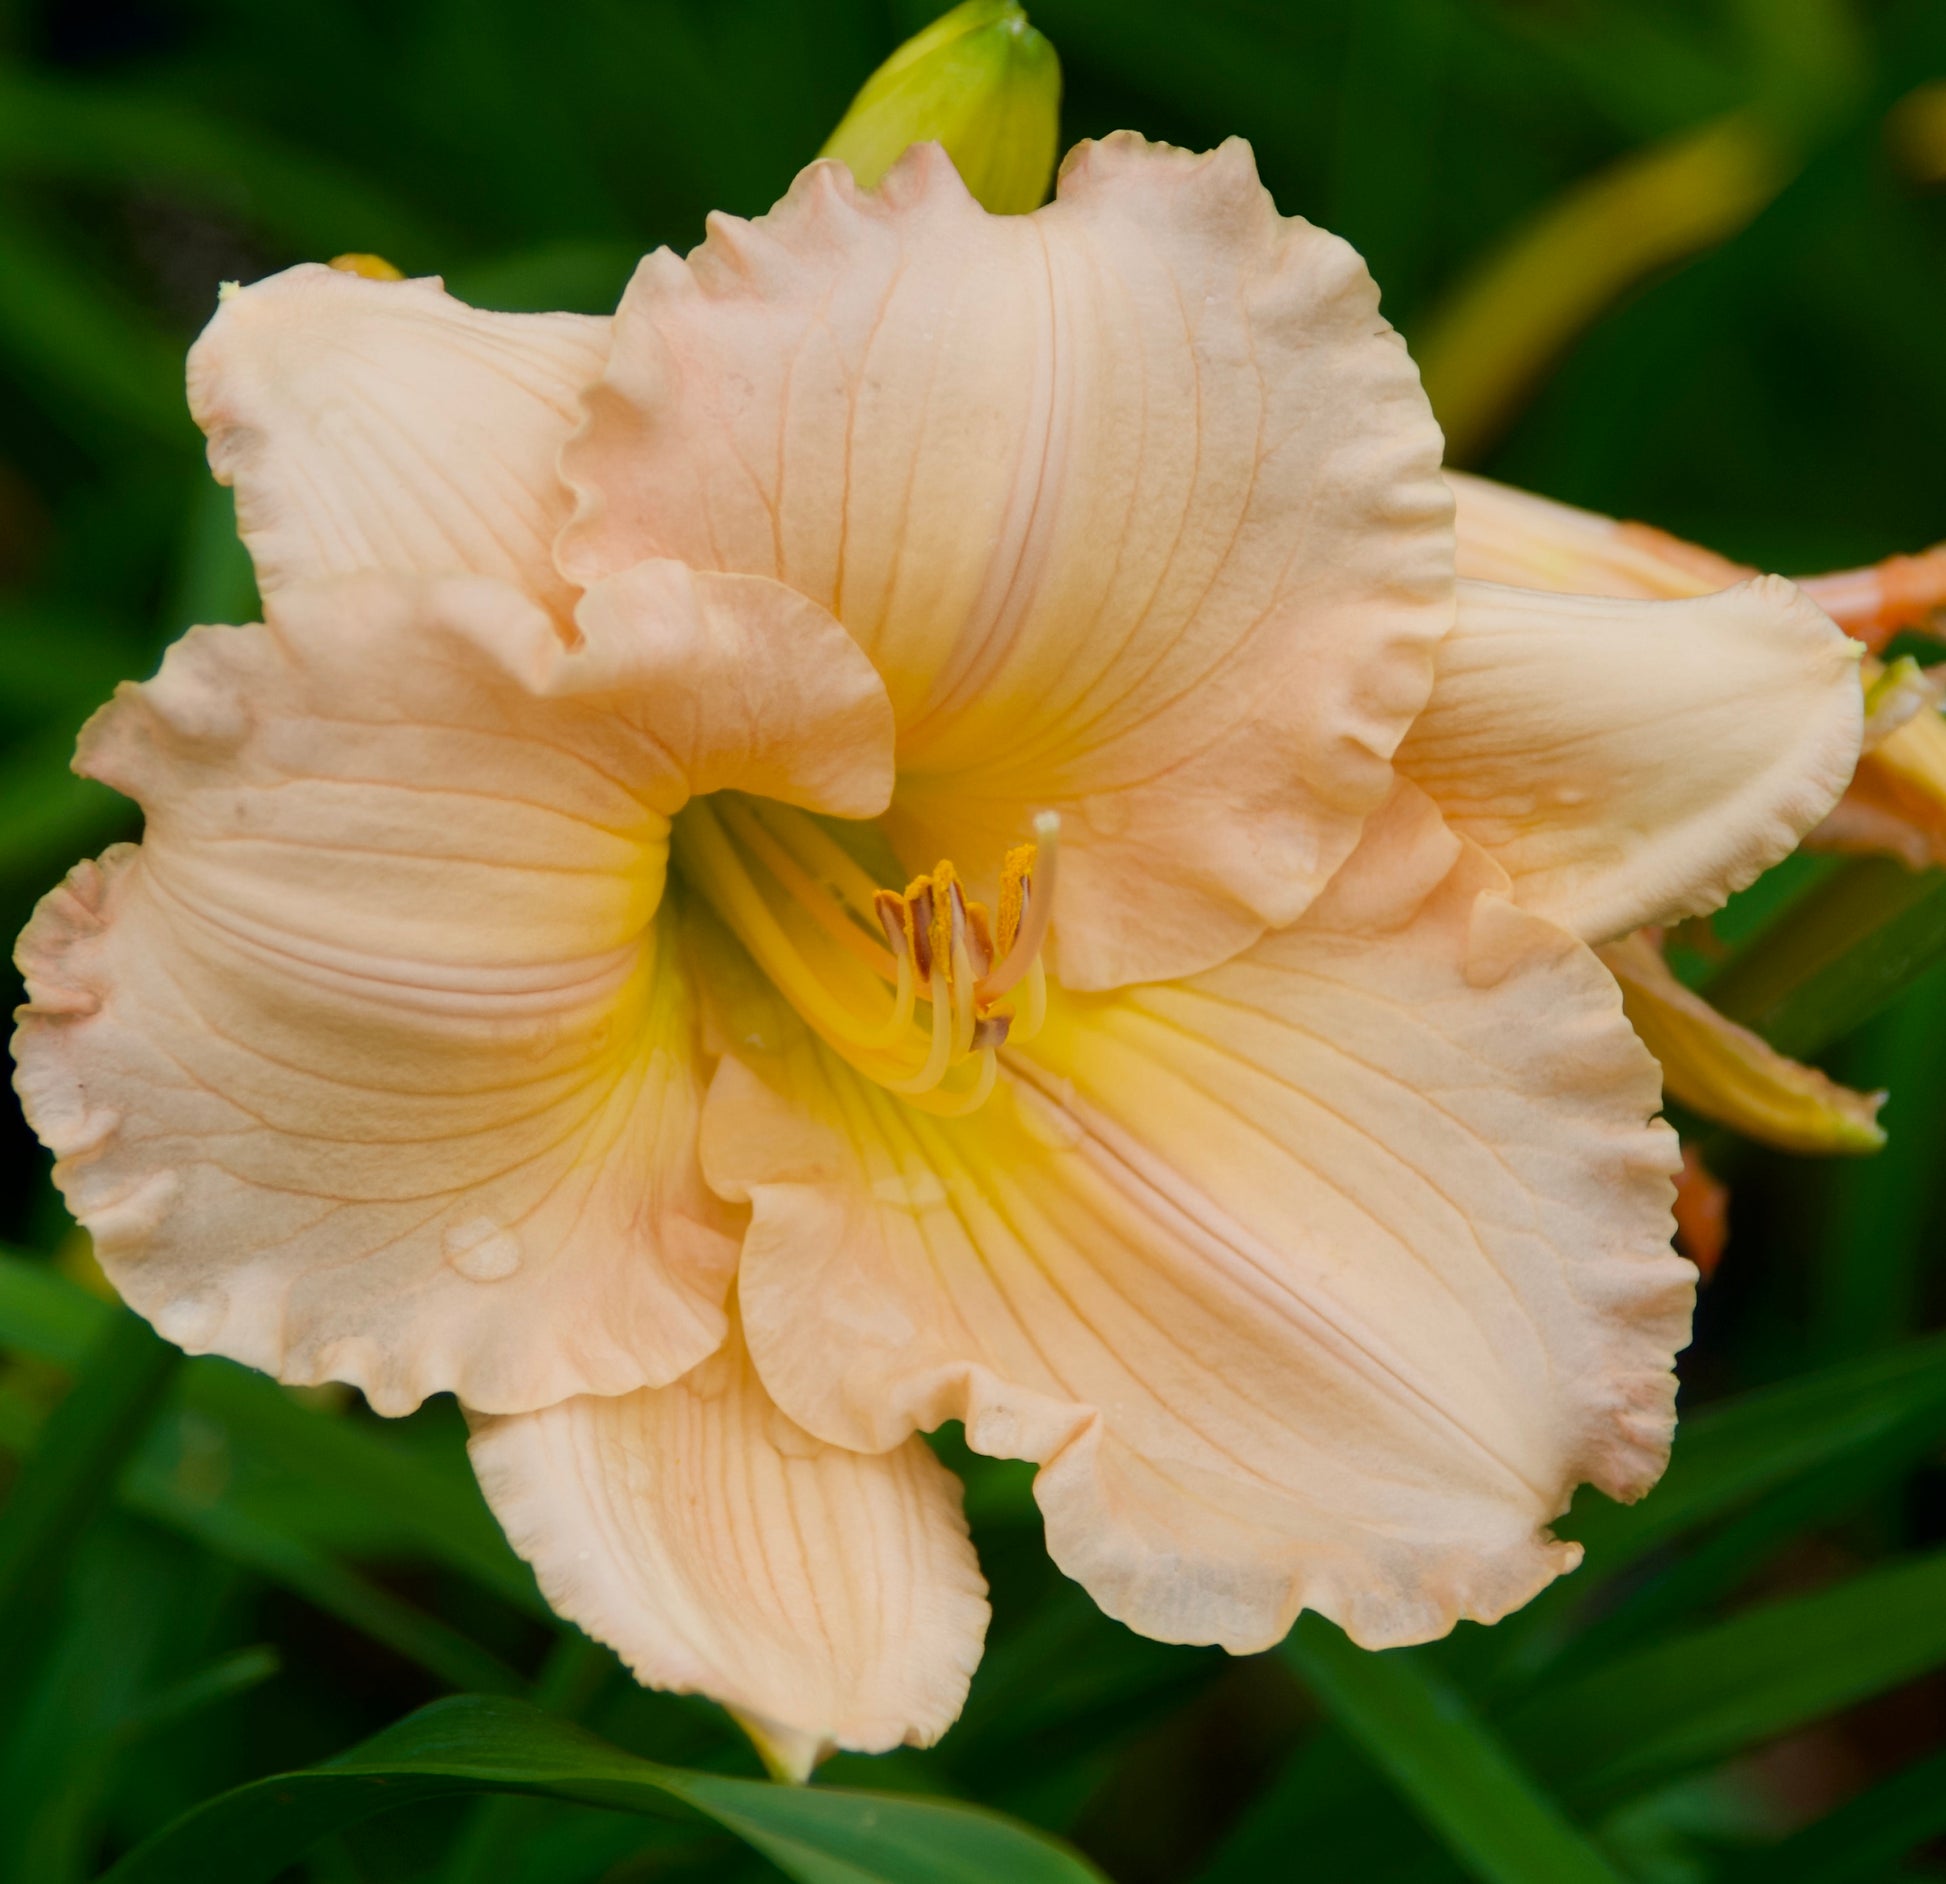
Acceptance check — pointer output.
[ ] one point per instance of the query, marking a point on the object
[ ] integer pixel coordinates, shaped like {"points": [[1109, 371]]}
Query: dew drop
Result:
{"points": [[481, 1251], [910, 1190]]}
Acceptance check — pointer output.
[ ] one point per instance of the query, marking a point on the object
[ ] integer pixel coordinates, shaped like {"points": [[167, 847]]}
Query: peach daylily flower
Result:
{"points": [[1895, 803], [522, 990]]}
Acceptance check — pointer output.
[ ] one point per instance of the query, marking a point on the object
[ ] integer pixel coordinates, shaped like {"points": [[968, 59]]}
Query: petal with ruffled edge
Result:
{"points": [[1134, 502], [1629, 762], [368, 1064], [1315, 1281], [385, 425], [829, 1598]]}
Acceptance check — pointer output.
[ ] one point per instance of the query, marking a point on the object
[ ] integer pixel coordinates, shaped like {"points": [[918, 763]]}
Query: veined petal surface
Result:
{"points": [[367, 1064], [385, 425], [1317, 1280], [830, 1598], [1133, 502], [1628, 762]]}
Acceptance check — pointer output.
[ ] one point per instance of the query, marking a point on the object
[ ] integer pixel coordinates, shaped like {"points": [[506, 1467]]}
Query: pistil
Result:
{"points": [[856, 960]]}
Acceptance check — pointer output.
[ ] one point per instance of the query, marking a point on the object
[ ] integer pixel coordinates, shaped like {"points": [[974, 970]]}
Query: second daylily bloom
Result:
{"points": [[1895, 803], [586, 953]]}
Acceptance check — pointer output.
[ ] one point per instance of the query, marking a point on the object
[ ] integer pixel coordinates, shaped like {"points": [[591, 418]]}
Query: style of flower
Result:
{"points": [[539, 980]]}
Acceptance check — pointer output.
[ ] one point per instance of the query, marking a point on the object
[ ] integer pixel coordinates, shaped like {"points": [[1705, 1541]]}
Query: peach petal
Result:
{"points": [[370, 1064], [830, 1598], [1318, 1280], [385, 425], [1133, 502], [1629, 762]]}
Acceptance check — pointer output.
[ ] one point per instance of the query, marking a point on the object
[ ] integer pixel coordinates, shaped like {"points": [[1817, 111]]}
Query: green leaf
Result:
{"points": [[71, 1474], [1700, 1696], [44, 1314], [1728, 1454], [63, 331], [1469, 1789], [231, 1534], [1845, 949], [1783, 1457], [474, 1744], [52, 128], [1861, 1842]]}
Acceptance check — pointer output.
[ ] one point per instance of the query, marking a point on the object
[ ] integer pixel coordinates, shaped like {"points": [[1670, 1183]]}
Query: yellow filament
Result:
{"points": [[1034, 1014], [820, 850], [962, 986], [941, 1056], [822, 907], [765, 867], [956, 1105], [900, 1017], [742, 905]]}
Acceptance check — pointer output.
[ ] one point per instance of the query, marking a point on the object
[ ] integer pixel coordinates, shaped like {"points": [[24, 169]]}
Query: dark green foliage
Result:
{"points": [[206, 1582]]}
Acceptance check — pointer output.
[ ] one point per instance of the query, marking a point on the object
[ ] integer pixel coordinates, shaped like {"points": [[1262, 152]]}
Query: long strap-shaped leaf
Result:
{"points": [[480, 1743], [71, 1474], [1448, 1765]]}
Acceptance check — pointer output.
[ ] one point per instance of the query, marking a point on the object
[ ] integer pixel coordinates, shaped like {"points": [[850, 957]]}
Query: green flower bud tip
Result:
{"points": [[978, 80]]}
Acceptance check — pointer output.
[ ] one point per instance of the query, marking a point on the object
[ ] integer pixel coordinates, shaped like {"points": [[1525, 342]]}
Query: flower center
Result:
{"points": [[858, 961]]}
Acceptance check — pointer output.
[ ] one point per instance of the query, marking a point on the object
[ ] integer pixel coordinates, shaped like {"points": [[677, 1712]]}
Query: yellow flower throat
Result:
{"points": [[857, 961]]}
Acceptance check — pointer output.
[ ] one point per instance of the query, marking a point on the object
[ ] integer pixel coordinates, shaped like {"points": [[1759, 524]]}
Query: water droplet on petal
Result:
{"points": [[909, 1190], [481, 1251]]}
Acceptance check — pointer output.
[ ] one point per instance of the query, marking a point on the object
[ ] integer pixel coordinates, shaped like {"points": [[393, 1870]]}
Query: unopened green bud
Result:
{"points": [[978, 80]]}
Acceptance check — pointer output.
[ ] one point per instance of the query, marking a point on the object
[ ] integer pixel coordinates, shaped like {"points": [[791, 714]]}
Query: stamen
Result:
{"points": [[813, 920], [1030, 1021], [962, 979], [817, 898], [976, 1095], [1026, 903], [979, 940], [941, 1056]]}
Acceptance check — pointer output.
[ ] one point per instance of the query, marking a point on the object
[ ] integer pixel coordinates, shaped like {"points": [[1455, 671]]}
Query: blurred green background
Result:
{"points": [[1683, 260]]}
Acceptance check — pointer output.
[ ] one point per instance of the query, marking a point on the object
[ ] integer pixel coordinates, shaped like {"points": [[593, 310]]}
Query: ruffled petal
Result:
{"points": [[369, 1065], [1628, 762], [1316, 1281], [384, 425], [1133, 502], [1727, 1073], [830, 1598]]}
